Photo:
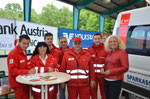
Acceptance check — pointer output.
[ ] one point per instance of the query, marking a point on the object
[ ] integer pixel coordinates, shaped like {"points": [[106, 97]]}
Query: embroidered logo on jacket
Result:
{"points": [[21, 61], [92, 55], [28, 63], [11, 61], [84, 60], [51, 64], [70, 58], [102, 57]]}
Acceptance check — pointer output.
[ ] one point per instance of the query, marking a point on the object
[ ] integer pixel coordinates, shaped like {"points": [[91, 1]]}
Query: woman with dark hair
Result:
{"points": [[40, 44], [42, 61]]}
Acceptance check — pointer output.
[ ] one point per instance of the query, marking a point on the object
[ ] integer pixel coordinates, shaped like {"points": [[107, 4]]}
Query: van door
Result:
{"points": [[138, 48]]}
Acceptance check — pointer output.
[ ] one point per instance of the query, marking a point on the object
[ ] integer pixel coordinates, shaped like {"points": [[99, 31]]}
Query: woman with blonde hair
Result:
{"points": [[116, 64]]}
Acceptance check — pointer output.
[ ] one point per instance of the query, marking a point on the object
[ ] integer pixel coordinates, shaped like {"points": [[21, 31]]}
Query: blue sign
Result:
{"points": [[86, 36]]}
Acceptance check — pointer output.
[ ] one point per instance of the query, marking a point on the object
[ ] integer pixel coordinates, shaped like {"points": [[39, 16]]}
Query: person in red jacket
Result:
{"points": [[56, 52], [77, 62], [64, 44], [116, 64], [64, 47], [17, 65], [42, 61], [98, 55]]}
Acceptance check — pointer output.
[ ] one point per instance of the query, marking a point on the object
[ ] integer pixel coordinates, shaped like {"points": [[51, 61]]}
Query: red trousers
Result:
{"points": [[82, 91], [22, 92], [36, 90], [99, 81]]}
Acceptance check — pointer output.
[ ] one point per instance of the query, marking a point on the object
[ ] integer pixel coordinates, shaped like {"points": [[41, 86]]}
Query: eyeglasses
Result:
{"points": [[63, 42], [42, 47], [77, 43]]}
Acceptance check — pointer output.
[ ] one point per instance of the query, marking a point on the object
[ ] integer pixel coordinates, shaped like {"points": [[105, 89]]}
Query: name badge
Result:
{"points": [[84, 60], [70, 58], [102, 57], [92, 55], [21, 61]]}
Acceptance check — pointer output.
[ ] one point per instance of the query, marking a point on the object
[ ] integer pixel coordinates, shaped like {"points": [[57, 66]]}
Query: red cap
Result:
{"points": [[77, 39]]}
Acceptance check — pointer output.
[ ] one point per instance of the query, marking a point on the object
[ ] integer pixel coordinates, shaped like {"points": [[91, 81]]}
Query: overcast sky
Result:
{"points": [[37, 4]]}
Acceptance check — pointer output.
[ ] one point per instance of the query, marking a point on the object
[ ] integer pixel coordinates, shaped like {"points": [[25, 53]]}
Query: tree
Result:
{"points": [[93, 22], [83, 17], [34, 17], [49, 15], [2, 13], [14, 8], [109, 25], [88, 21], [62, 18], [53, 16]]}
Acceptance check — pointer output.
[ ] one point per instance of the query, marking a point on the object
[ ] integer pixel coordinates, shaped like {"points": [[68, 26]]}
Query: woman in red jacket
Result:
{"points": [[42, 61], [116, 64]]}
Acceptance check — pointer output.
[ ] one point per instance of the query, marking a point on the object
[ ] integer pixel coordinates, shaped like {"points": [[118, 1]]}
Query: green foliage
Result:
{"points": [[88, 21], [2, 13], [109, 25], [62, 18], [34, 17], [12, 11], [53, 16]]}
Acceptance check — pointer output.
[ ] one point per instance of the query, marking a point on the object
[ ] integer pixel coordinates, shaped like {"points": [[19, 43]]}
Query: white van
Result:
{"points": [[133, 27]]}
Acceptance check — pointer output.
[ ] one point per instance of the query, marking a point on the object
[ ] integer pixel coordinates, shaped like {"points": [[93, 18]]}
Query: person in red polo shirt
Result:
{"points": [[77, 62], [98, 55], [17, 65], [56, 52]]}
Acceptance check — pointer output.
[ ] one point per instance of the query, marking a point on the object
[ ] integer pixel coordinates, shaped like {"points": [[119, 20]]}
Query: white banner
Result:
{"points": [[10, 30], [7, 37]]}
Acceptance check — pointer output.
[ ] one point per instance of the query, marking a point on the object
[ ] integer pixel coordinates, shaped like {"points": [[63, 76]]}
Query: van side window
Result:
{"points": [[138, 40], [148, 40]]}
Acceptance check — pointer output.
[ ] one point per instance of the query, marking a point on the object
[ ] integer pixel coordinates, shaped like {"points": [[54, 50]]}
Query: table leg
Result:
{"points": [[42, 91], [46, 92], [30, 89]]}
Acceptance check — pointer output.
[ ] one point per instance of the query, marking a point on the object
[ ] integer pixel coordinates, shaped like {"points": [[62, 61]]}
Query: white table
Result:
{"points": [[60, 78]]}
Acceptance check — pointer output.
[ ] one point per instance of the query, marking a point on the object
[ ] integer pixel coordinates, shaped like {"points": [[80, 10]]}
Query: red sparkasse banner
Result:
{"points": [[123, 28]]}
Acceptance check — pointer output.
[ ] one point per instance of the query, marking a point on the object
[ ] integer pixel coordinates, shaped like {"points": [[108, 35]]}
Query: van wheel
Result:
{"points": [[125, 94]]}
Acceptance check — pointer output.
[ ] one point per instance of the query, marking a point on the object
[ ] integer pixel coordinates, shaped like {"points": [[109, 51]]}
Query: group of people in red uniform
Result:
{"points": [[100, 65]]}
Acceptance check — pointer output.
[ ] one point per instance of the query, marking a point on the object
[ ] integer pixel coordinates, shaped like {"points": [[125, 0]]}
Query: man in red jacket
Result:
{"points": [[77, 62], [17, 65], [64, 47], [56, 52], [64, 44], [98, 55]]}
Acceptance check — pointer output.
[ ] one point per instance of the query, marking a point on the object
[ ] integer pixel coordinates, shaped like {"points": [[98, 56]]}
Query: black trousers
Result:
{"points": [[112, 89]]}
